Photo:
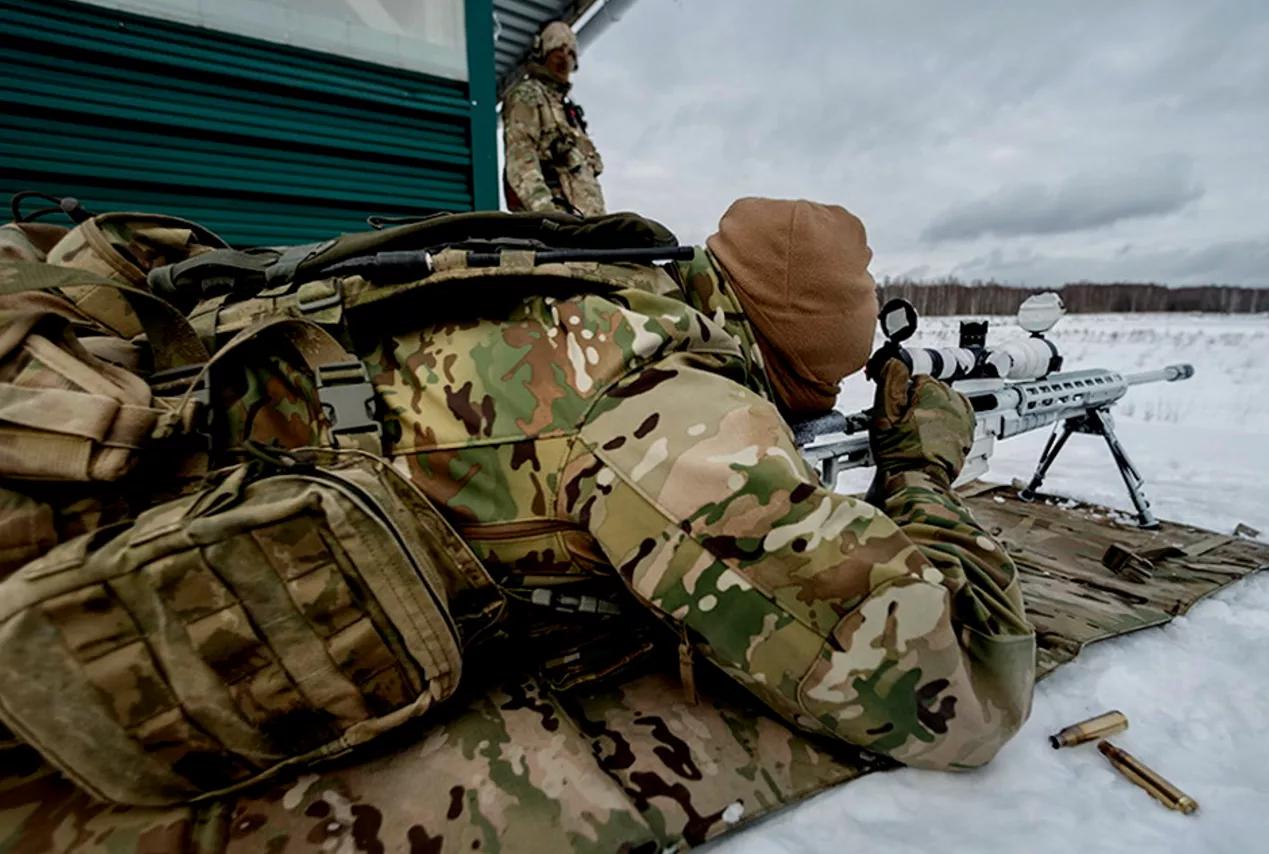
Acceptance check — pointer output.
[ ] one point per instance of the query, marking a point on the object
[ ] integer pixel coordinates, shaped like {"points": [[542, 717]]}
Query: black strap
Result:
{"points": [[386, 267], [220, 271], [240, 272]]}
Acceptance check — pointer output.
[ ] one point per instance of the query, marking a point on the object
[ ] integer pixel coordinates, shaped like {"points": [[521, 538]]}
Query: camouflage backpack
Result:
{"points": [[351, 636], [161, 727], [265, 621], [362, 286], [79, 407]]}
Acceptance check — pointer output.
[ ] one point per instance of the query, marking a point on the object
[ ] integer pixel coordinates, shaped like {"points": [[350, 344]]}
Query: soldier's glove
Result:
{"points": [[919, 425]]}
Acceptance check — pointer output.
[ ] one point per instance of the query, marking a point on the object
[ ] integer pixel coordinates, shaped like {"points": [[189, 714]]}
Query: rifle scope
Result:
{"points": [[1025, 359]]}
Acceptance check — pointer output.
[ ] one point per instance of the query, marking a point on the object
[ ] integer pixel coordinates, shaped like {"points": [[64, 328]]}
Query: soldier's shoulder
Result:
{"points": [[527, 91], [700, 264]]}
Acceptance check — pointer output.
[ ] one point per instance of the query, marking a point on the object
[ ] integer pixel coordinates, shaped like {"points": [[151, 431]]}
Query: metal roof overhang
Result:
{"points": [[516, 22]]}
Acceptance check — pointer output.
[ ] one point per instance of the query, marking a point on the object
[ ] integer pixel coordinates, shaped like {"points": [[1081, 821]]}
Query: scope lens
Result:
{"points": [[898, 319]]}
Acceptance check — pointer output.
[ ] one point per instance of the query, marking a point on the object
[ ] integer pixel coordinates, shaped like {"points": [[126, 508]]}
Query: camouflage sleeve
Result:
{"points": [[904, 637], [522, 129], [976, 570]]}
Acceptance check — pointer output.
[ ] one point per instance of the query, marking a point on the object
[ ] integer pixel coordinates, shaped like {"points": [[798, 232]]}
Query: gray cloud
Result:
{"points": [[1089, 200], [1074, 129], [1230, 262]]}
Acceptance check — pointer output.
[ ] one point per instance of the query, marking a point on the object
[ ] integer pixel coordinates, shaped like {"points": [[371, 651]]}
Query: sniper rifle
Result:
{"points": [[1013, 389]]}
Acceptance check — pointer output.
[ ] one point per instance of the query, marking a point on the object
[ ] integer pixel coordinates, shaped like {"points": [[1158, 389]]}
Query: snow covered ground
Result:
{"points": [[1196, 691]]}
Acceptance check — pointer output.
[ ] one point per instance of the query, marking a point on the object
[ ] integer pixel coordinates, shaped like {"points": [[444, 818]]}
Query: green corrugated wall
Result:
{"points": [[261, 142]]}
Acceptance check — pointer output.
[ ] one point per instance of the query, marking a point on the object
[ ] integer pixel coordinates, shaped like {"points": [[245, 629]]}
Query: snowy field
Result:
{"points": [[1196, 691]]}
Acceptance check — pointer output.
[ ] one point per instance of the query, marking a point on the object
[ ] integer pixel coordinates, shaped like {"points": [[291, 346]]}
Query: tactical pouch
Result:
{"points": [[70, 424], [65, 414], [268, 621]]}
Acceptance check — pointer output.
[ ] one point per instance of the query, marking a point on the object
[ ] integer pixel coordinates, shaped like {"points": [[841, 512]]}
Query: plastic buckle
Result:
{"points": [[570, 604], [348, 398], [199, 393], [188, 373], [328, 301]]}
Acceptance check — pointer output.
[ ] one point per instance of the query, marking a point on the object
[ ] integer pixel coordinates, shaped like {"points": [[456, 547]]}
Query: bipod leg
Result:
{"points": [[1061, 432], [829, 470], [1101, 423]]}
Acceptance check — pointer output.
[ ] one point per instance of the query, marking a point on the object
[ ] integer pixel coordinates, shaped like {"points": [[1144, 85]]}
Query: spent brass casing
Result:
{"points": [[1092, 729], [1157, 787]]}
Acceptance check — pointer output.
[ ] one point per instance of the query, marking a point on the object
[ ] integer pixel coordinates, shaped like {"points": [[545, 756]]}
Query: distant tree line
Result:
{"points": [[952, 296]]}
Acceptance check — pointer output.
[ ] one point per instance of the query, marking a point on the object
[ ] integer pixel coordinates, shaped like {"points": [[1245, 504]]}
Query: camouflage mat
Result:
{"points": [[629, 767]]}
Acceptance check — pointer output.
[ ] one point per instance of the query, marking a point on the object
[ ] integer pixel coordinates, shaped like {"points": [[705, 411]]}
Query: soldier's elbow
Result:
{"points": [[985, 717], [966, 747]]}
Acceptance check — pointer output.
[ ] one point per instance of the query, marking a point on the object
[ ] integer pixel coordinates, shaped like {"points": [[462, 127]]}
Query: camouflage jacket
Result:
{"points": [[551, 162], [625, 442]]}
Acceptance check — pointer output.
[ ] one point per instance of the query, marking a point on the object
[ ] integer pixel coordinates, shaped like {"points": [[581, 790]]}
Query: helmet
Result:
{"points": [[556, 34]]}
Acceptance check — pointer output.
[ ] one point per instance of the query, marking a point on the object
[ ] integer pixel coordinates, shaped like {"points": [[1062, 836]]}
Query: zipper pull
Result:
{"points": [[687, 674]]}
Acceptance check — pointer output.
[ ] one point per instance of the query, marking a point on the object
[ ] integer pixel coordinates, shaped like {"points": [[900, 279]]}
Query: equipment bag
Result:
{"points": [[247, 272], [269, 620], [86, 441]]}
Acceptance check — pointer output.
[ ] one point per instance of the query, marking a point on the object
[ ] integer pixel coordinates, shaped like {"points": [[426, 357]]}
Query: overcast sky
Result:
{"points": [[1033, 142]]}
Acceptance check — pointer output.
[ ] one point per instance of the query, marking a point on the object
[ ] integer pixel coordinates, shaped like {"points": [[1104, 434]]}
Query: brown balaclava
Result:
{"points": [[800, 270]]}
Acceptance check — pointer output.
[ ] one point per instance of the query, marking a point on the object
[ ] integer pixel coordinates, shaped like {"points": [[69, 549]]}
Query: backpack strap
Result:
{"points": [[343, 384], [239, 272], [173, 341], [245, 273], [88, 429]]}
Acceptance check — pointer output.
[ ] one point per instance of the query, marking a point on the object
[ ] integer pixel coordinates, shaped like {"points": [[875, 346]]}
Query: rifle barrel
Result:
{"points": [[1169, 374]]}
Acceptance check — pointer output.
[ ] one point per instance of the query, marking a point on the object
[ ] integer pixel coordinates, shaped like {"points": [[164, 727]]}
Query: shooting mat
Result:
{"points": [[627, 767]]}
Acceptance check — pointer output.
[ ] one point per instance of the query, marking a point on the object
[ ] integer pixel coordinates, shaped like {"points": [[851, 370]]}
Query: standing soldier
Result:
{"points": [[551, 162]]}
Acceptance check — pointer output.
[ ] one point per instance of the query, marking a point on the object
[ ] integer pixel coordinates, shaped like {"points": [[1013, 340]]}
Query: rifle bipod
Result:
{"points": [[1095, 422]]}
